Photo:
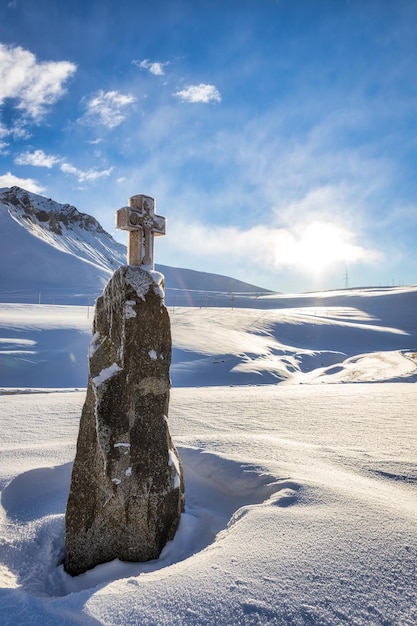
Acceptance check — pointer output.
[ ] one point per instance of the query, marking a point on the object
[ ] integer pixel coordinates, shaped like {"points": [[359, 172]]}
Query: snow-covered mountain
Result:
{"points": [[51, 252]]}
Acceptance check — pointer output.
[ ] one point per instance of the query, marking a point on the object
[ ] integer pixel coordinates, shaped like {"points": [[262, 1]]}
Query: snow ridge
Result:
{"points": [[64, 227]]}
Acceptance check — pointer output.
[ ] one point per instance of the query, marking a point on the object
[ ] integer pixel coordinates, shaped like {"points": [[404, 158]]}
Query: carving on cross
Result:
{"points": [[140, 219]]}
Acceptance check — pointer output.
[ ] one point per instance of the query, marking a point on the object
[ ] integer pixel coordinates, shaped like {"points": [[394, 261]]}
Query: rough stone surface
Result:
{"points": [[126, 493]]}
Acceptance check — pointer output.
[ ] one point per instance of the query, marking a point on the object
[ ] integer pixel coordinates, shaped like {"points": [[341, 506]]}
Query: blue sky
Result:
{"points": [[277, 136]]}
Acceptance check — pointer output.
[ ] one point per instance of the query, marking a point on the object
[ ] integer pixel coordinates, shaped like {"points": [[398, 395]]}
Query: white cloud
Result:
{"points": [[3, 144], [89, 175], [107, 108], [156, 68], [38, 158], [9, 180], [199, 93], [18, 130], [315, 248], [35, 85]]}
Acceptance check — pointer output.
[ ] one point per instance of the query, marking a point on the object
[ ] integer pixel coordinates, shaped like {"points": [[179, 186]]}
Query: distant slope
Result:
{"points": [[64, 228], [51, 252], [354, 336], [363, 335], [30, 265]]}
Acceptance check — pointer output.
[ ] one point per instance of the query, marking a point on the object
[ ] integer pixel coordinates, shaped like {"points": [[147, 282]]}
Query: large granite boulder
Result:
{"points": [[126, 493]]}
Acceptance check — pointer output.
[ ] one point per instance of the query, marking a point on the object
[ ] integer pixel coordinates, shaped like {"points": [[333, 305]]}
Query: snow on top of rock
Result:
{"points": [[107, 373], [94, 344], [129, 310], [173, 461], [142, 280]]}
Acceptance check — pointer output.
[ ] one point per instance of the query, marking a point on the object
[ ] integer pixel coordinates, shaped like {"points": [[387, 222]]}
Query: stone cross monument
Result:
{"points": [[140, 219], [127, 486]]}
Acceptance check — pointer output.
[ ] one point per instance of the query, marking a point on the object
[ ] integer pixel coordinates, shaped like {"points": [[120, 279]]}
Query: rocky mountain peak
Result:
{"points": [[46, 212], [64, 227]]}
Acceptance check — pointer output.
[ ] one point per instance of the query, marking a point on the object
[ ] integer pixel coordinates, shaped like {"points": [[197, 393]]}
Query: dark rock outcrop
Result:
{"points": [[126, 492]]}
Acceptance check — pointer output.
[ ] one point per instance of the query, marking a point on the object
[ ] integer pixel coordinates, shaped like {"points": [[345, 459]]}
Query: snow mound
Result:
{"points": [[300, 509], [217, 488]]}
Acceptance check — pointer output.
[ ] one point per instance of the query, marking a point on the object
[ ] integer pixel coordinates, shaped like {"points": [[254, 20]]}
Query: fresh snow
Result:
{"points": [[129, 310], [106, 373], [140, 282], [300, 509], [356, 336], [174, 462], [301, 498], [94, 345]]}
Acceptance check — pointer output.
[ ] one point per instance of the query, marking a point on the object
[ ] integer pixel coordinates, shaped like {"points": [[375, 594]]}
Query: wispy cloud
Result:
{"points": [[9, 180], [87, 175], [199, 93], [35, 85], [154, 67], [38, 158], [3, 144], [108, 108], [314, 249], [18, 130]]}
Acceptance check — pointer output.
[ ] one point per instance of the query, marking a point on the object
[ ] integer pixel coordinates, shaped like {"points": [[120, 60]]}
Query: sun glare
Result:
{"points": [[322, 245]]}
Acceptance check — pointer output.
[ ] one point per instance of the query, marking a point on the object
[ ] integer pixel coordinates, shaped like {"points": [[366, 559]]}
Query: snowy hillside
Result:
{"points": [[365, 335], [50, 252], [353, 336], [30, 265], [64, 228]]}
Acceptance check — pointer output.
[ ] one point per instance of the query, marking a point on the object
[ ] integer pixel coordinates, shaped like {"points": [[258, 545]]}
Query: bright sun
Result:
{"points": [[321, 245]]}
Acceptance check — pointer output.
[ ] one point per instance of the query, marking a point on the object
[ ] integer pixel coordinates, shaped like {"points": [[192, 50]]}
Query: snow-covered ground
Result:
{"points": [[301, 498], [300, 509], [366, 335]]}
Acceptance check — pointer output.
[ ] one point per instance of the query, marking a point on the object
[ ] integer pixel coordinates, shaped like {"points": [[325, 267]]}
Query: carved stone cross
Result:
{"points": [[140, 219]]}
